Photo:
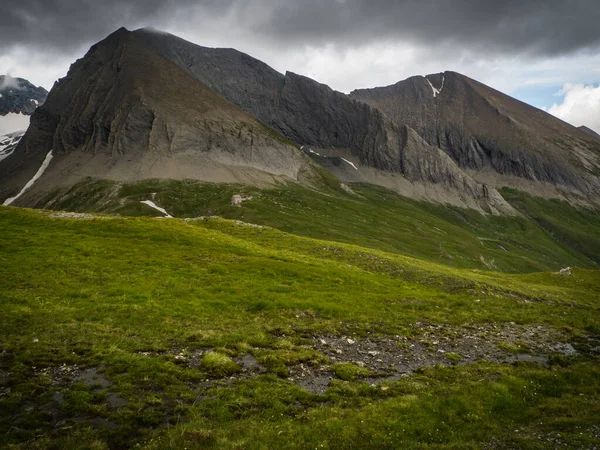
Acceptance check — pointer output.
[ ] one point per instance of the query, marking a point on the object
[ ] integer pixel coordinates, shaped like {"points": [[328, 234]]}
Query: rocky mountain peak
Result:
{"points": [[19, 96]]}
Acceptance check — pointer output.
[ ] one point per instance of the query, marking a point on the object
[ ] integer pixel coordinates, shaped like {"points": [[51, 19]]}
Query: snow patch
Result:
{"points": [[38, 174], [436, 91], [313, 152], [8, 143], [151, 204], [351, 163]]}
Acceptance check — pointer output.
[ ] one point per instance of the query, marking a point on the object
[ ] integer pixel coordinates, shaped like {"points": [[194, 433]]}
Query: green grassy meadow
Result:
{"points": [[155, 333]]}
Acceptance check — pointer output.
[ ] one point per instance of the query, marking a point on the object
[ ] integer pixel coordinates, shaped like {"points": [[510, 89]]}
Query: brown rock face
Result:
{"points": [[589, 131]]}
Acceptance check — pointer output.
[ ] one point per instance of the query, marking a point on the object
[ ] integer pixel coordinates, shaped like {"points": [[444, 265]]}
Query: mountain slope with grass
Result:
{"points": [[369, 216], [125, 113], [145, 104], [170, 333]]}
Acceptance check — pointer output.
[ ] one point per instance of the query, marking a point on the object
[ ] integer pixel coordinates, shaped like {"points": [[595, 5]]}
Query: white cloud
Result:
{"points": [[13, 122], [37, 67], [580, 105]]}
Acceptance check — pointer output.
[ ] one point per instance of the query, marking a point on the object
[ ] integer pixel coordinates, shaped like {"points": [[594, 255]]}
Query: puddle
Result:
{"points": [[115, 400], [93, 378]]}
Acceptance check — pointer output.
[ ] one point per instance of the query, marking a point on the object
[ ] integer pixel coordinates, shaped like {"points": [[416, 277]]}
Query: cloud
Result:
{"points": [[8, 82], [580, 105], [13, 122], [531, 26]]}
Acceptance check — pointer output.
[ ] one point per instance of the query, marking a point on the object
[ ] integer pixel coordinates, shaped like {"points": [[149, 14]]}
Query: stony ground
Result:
{"points": [[384, 358]]}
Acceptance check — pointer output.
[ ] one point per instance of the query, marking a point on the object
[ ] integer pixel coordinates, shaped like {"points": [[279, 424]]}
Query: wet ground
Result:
{"points": [[386, 357]]}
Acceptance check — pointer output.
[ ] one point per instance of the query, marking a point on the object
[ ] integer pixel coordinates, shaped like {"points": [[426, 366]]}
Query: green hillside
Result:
{"points": [[548, 236], [214, 333]]}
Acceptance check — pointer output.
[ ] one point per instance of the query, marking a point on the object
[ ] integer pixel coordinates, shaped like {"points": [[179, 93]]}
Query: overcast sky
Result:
{"points": [[546, 53]]}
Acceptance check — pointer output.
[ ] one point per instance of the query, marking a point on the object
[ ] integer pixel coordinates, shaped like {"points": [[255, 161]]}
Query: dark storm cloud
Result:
{"points": [[544, 27], [540, 26], [66, 24]]}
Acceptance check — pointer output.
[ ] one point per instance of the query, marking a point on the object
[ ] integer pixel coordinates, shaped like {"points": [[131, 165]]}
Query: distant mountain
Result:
{"points": [[9, 142], [19, 96], [18, 99], [147, 104], [589, 131], [497, 139]]}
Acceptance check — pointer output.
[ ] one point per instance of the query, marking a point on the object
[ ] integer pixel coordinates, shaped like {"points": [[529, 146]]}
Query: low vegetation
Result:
{"points": [[335, 323], [371, 217]]}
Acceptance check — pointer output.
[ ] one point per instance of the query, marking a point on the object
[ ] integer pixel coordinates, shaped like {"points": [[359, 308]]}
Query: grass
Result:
{"points": [[123, 296], [349, 371], [219, 365], [373, 217]]}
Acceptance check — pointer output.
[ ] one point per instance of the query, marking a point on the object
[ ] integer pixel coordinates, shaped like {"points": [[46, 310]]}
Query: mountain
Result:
{"points": [[496, 139], [148, 105], [185, 111], [18, 99], [19, 96], [589, 131], [330, 124], [125, 113]]}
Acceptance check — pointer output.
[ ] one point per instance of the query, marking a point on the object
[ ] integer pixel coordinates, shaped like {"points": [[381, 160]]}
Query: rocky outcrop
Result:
{"points": [[18, 95], [497, 139]]}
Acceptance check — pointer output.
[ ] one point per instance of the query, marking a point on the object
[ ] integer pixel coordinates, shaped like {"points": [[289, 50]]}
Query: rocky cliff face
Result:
{"points": [[125, 113], [309, 113], [497, 139]]}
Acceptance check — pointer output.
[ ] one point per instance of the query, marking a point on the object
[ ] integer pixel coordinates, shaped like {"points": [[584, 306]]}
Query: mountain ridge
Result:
{"points": [[116, 115], [493, 136]]}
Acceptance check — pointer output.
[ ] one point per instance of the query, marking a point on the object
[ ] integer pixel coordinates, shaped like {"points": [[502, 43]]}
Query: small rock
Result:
{"points": [[36, 340], [373, 353], [323, 341], [338, 351], [350, 341]]}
